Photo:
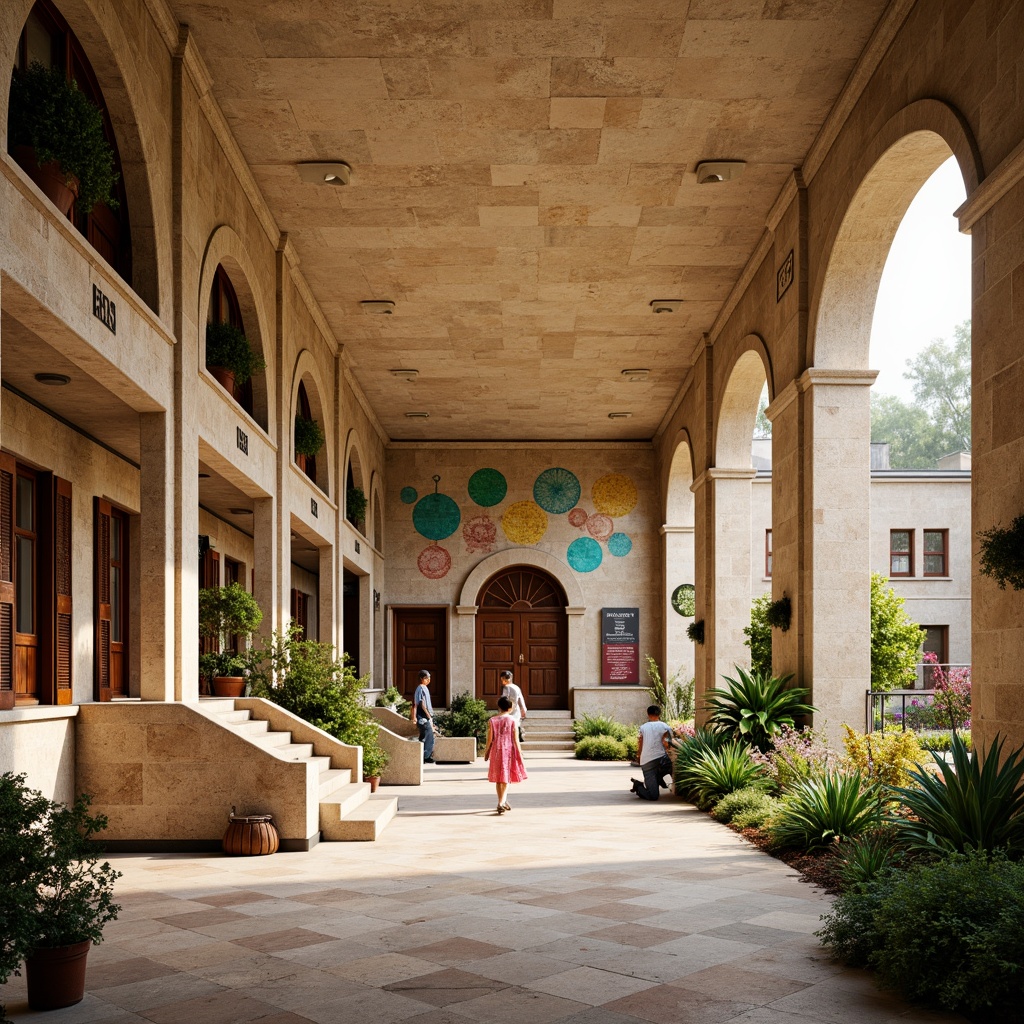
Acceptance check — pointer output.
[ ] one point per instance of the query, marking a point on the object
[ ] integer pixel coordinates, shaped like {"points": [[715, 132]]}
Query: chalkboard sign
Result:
{"points": [[620, 646]]}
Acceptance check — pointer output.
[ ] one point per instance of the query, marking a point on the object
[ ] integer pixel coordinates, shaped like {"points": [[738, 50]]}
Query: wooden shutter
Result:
{"points": [[7, 474], [62, 590], [101, 578]]}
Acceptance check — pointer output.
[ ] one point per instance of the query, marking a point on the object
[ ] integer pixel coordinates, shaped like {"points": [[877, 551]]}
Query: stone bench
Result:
{"points": [[455, 749]]}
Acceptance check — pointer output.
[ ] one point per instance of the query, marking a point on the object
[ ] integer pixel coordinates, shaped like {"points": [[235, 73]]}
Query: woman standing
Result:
{"points": [[503, 742]]}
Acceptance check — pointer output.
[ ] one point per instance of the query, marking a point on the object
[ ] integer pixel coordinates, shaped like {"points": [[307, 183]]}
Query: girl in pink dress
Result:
{"points": [[503, 742]]}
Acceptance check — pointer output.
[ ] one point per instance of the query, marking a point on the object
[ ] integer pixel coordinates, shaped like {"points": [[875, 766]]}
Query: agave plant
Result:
{"points": [[977, 804], [718, 772], [823, 810], [701, 742], [868, 855], [754, 708]]}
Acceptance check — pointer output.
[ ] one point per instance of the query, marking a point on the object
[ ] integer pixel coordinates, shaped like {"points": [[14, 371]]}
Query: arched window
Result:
{"points": [[48, 40], [224, 309], [307, 463]]}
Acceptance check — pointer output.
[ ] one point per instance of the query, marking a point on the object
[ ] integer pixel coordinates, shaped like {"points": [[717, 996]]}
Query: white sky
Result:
{"points": [[926, 285]]}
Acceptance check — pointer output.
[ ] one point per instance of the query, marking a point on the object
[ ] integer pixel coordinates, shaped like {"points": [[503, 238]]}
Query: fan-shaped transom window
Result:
{"points": [[522, 589]]}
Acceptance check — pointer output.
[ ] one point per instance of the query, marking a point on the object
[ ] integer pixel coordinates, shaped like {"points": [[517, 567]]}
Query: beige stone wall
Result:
{"points": [[632, 580], [40, 742]]}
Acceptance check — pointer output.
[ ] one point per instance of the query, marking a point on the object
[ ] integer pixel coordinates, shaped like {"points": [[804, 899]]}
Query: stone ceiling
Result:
{"points": [[523, 184]]}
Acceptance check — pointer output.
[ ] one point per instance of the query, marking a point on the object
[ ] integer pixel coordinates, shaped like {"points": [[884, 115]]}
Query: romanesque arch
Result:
{"points": [[308, 384]]}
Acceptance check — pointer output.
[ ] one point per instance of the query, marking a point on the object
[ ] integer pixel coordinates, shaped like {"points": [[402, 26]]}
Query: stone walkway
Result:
{"points": [[582, 905]]}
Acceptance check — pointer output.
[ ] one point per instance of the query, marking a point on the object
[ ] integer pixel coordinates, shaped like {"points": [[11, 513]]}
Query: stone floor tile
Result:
{"points": [[232, 898], [218, 1008], [445, 987], [589, 985], [121, 972], [445, 1015], [602, 1015], [516, 1005], [455, 951], [154, 992], [706, 949], [617, 911], [202, 918], [517, 968], [750, 986], [274, 942], [382, 969], [808, 923], [647, 964], [641, 935], [667, 1004], [754, 934], [842, 999]]}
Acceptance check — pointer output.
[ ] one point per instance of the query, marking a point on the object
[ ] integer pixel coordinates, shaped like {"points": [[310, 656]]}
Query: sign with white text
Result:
{"points": [[620, 646]]}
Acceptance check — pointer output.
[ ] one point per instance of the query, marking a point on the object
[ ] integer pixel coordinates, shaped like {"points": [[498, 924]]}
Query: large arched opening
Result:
{"points": [[680, 607]]}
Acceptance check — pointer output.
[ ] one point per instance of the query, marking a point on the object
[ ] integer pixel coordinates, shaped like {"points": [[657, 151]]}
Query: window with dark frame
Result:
{"points": [[936, 552], [309, 465], [936, 641], [224, 309], [901, 552], [767, 552]]}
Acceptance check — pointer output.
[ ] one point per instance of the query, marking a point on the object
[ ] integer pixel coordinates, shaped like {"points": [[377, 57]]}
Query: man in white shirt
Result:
{"points": [[514, 694], [652, 753]]}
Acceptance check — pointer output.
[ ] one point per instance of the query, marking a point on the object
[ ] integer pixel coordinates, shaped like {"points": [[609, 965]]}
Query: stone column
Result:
{"points": [[327, 621], [678, 557], [703, 573], [265, 551], [157, 619], [835, 542]]}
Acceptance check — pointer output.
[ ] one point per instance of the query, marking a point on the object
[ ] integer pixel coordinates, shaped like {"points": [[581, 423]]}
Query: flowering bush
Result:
{"points": [[887, 759], [952, 701], [795, 755]]}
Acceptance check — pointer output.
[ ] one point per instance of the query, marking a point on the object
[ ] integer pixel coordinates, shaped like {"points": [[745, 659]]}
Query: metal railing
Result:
{"points": [[906, 709]]}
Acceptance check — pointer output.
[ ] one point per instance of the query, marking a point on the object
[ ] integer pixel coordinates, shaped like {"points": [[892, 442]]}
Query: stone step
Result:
{"points": [[251, 728], [344, 800], [295, 751], [268, 740], [331, 780], [565, 715], [234, 717], [363, 824], [547, 727], [537, 746]]}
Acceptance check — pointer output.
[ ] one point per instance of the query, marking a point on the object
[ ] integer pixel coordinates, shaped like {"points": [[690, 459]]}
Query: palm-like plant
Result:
{"points": [[823, 810], [701, 742], [718, 772], [755, 707], [977, 804]]}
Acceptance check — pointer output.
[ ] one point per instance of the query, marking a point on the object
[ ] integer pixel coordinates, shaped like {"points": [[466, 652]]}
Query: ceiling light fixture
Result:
{"points": [[619, 415], [204, 476], [407, 374], [712, 171], [417, 415], [240, 511], [337, 173], [637, 374], [53, 380], [385, 306], [665, 305]]}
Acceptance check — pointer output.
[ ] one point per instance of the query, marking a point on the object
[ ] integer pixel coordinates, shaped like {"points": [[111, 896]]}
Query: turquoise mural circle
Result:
{"points": [[408, 495], [584, 554], [487, 487], [556, 490], [436, 516], [619, 544]]}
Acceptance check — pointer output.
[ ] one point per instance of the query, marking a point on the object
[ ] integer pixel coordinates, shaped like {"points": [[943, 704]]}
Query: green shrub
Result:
{"points": [[820, 811], [631, 745], [702, 742], [227, 346], [886, 758], [895, 638], [949, 933], [600, 748], [601, 725], [866, 856], [309, 437], [970, 806], [739, 801], [718, 772], [673, 696], [759, 635], [466, 716], [757, 815], [755, 707], [942, 740]]}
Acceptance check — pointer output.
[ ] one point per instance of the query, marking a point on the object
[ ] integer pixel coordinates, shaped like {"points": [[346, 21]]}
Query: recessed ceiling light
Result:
{"points": [[240, 511], [417, 415], [637, 374], [713, 171], [204, 476], [385, 306], [620, 415], [53, 380], [409, 375], [336, 173], [665, 305]]}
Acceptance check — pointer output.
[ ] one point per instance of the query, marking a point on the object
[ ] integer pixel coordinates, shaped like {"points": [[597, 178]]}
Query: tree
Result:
{"points": [[759, 636], [895, 639], [914, 440], [941, 375], [763, 425]]}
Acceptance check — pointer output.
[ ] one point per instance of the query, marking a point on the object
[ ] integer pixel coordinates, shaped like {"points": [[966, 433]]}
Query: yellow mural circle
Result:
{"points": [[524, 522], [614, 495]]}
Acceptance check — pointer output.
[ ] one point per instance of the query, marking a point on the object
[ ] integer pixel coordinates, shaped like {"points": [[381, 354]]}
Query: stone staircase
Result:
{"points": [[547, 731], [348, 813]]}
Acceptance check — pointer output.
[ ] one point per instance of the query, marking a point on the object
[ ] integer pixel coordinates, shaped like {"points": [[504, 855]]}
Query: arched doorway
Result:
{"points": [[521, 625]]}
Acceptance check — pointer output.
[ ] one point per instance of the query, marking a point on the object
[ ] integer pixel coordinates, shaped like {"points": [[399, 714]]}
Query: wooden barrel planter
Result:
{"points": [[251, 835]]}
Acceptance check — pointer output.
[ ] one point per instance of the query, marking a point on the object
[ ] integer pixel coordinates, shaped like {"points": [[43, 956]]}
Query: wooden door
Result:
{"points": [[498, 647], [543, 677], [110, 601], [421, 642], [7, 475]]}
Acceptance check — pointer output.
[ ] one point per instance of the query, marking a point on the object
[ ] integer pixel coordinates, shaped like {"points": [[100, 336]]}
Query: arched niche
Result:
{"points": [[737, 408], [308, 389], [225, 249], [492, 565], [131, 106], [678, 495], [889, 173], [355, 475], [377, 512]]}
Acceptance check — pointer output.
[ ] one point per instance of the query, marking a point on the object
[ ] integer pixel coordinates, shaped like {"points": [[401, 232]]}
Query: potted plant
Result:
{"points": [[56, 134], [309, 439], [58, 896], [355, 506], [1002, 554], [375, 760], [229, 356], [391, 698], [225, 612]]}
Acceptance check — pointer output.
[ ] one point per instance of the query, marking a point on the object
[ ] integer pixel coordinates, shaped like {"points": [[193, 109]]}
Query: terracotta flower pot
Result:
{"points": [[49, 177], [224, 377], [373, 780], [229, 686], [56, 976]]}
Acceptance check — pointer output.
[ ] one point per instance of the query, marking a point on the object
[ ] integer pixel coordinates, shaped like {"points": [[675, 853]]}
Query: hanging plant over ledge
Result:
{"points": [[309, 437], [780, 613], [695, 631], [355, 505], [1002, 554]]}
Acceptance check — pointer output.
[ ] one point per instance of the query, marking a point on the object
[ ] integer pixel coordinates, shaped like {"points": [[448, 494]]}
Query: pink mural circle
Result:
{"points": [[434, 562], [599, 526], [480, 533], [578, 518]]}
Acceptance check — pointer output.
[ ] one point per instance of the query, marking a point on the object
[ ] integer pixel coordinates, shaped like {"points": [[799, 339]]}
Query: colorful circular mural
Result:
{"points": [[600, 527], [408, 495], [578, 517], [480, 533], [556, 490], [524, 522], [436, 516], [584, 554], [487, 487], [614, 495], [434, 562], [684, 600], [619, 544]]}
